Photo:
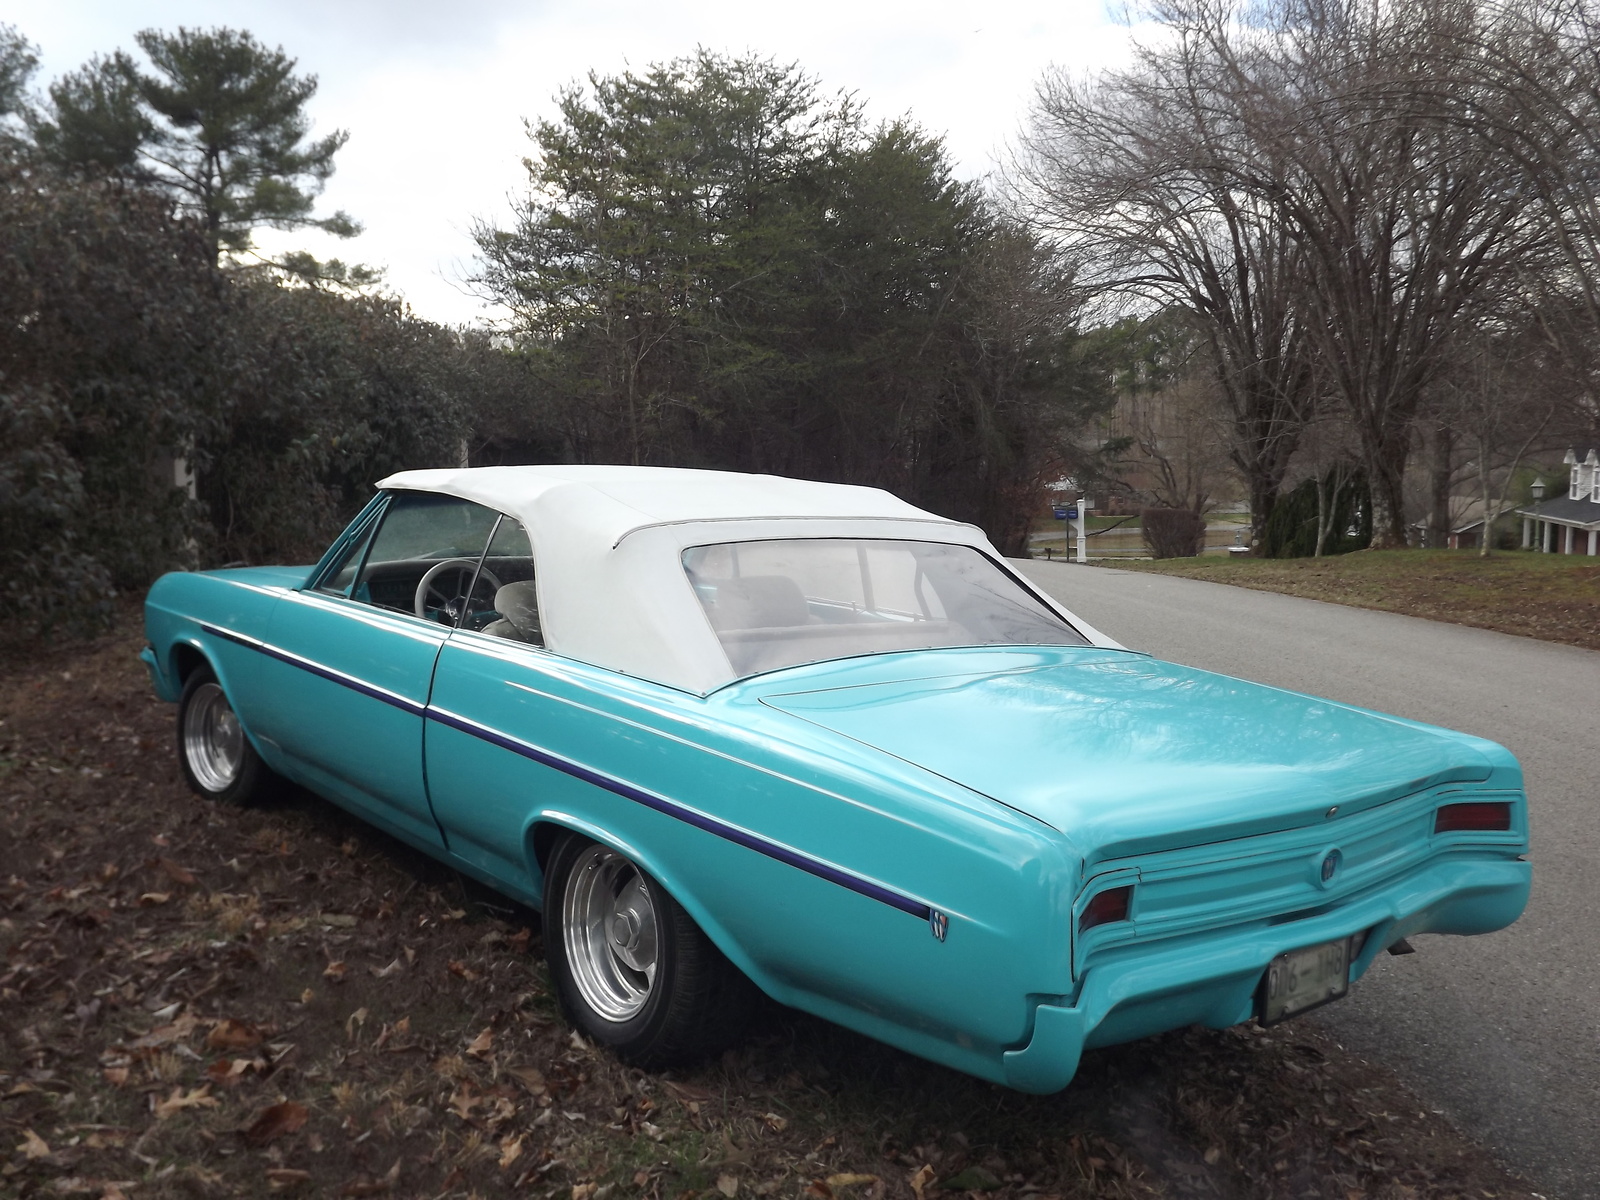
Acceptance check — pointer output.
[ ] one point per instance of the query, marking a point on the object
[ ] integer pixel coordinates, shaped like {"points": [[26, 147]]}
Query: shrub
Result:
{"points": [[1291, 530], [1173, 532]]}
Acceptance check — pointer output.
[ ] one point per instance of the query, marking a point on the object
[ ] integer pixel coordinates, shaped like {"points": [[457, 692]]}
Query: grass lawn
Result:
{"points": [[1551, 596]]}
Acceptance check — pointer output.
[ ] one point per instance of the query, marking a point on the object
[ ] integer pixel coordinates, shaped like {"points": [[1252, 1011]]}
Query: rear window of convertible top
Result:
{"points": [[798, 600]]}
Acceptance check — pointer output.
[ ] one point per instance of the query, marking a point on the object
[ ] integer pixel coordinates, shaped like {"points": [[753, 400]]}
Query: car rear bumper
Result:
{"points": [[1212, 979]]}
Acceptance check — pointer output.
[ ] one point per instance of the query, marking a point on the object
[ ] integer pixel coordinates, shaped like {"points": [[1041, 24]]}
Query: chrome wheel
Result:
{"points": [[608, 927], [213, 741]]}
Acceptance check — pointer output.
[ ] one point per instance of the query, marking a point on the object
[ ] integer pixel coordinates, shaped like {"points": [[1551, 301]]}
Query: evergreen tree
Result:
{"points": [[219, 121]]}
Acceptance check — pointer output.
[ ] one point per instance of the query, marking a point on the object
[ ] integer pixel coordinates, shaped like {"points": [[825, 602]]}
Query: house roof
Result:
{"points": [[1564, 511]]}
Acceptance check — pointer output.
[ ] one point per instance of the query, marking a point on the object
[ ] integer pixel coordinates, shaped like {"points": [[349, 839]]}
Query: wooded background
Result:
{"points": [[1348, 248]]}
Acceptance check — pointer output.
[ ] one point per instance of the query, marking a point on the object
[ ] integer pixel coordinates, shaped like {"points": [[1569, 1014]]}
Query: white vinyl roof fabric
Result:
{"points": [[608, 544]]}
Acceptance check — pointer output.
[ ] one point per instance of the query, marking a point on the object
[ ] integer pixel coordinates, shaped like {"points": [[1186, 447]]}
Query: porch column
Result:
{"points": [[1547, 540], [1594, 541], [1527, 532], [1566, 539]]}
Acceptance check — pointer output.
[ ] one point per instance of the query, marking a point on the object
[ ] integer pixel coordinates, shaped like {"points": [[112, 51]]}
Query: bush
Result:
{"points": [[1291, 530], [109, 312], [1173, 532]]}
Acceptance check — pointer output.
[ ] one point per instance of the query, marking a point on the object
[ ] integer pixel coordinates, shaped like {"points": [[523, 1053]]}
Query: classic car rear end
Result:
{"points": [[1242, 851]]}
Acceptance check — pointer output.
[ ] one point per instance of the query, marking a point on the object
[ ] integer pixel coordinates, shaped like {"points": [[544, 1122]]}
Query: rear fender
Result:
{"points": [[548, 825]]}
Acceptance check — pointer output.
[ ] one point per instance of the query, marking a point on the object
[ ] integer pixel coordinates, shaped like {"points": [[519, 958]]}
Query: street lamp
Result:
{"points": [[1538, 495]]}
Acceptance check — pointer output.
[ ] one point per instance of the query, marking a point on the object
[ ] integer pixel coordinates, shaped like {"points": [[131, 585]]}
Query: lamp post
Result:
{"points": [[1537, 490]]}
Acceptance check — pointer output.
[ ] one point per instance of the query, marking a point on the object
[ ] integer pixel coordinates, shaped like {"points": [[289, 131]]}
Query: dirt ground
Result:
{"points": [[208, 1002], [1555, 597]]}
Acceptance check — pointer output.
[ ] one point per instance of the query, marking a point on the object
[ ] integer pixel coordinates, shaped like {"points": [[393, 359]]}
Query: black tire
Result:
{"points": [[696, 1004], [215, 755]]}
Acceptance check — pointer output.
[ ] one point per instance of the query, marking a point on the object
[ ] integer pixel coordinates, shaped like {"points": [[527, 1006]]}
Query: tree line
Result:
{"points": [[1335, 237], [717, 265]]}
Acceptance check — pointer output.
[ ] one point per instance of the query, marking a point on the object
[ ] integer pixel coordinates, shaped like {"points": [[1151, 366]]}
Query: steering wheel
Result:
{"points": [[449, 605]]}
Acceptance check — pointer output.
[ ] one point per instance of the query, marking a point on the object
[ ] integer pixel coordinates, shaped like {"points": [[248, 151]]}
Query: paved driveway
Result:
{"points": [[1502, 1032]]}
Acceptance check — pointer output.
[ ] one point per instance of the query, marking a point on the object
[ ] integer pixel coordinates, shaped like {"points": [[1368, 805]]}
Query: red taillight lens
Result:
{"points": [[1107, 906], [1484, 817]]}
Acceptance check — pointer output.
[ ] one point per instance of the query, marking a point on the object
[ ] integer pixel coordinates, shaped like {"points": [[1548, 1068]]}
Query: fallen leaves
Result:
{"points": [[274, 1122], [481, 1045], [367, 1186], [334, 972], [234, 1035], [531, 1078], [230, 1072], [920, 1179], [179, 1100], [181, 876], [33, 1146]]}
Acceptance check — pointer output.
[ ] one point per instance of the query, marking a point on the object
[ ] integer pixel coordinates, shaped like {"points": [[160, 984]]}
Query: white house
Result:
{"points": [[1570, 524]]}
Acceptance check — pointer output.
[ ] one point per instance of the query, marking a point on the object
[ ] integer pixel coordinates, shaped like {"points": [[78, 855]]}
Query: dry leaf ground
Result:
{"points": [[199, 1001], [1555, 597]]}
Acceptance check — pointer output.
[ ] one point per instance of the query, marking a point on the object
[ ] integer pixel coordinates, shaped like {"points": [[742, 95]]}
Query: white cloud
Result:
{"points": [[434, 94]]}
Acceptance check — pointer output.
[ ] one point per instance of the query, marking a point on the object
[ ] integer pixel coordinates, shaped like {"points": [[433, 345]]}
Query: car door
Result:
{"points": [[352, 660], [488, 678]]}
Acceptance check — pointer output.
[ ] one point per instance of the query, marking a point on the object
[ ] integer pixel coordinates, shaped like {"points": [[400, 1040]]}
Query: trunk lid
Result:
{"points": [[1127, 754]]}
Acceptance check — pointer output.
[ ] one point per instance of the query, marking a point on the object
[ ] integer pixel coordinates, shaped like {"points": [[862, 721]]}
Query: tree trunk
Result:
{"points": [[1441, 472], [1386, 469], [1322, 515], [1263, 499]]}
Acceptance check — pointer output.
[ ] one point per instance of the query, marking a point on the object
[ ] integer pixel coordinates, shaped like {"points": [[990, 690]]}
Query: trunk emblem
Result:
{"points": [[938, 923], [1330, 866]]}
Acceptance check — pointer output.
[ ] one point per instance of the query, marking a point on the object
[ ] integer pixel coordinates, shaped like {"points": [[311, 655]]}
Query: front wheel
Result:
{"points": [[217, 758], [632, 970]]}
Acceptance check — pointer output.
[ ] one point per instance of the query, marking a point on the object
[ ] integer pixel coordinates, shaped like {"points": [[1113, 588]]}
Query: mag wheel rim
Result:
{"points": [[609, 930], [213, 741]]}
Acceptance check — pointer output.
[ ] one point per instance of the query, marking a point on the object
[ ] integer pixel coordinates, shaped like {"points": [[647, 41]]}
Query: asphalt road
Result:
{"points": [[1501, 1033]]}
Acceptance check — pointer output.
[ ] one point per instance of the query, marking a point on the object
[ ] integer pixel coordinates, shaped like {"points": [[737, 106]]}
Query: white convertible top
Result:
{"points": [[608, 544]]}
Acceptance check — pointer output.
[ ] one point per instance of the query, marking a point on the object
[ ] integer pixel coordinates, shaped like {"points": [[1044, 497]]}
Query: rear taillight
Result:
{"points": [[1489, 816], [1106, 907]]}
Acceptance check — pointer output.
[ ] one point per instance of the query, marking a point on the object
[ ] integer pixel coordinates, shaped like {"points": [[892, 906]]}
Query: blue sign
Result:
{"points": [[1061, 513], [1072, 513]]}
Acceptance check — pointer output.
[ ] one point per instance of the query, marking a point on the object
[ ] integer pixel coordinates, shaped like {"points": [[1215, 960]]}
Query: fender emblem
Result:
{"points": [[938, 923]]}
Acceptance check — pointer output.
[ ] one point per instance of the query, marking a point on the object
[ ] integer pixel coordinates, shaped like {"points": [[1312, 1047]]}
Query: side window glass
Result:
{"points": [[425, 556], [508, 570]]}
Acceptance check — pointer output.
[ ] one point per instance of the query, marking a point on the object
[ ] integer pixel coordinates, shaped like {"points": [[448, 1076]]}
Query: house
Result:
{"points": [[1569, 524], [1466, 523]]}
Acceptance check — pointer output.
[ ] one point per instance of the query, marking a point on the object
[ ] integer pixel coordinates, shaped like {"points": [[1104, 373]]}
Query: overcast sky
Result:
{"points": [[433, 92]]}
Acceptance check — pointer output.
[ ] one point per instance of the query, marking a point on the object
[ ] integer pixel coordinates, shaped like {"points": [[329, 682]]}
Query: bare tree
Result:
{"points": [[1336, 187], [1141, 174], [1506, 395]]}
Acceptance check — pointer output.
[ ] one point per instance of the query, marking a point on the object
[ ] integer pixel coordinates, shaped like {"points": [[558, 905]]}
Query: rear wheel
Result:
{"points": [[632, 970], [217, 758]]}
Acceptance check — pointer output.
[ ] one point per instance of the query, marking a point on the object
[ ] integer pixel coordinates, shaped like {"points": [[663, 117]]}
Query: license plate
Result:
{"points": [[1303, 979]]}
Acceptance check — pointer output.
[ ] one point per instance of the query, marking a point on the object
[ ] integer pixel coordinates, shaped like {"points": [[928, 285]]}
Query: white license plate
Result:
{"points": [[1303, 979]]}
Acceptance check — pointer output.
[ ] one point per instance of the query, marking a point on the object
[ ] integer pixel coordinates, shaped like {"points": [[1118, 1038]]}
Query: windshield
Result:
{"points": [[780, 603]]}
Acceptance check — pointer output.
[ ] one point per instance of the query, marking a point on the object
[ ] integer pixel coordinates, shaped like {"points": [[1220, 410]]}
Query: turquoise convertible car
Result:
{"points": [[731, 732]]}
